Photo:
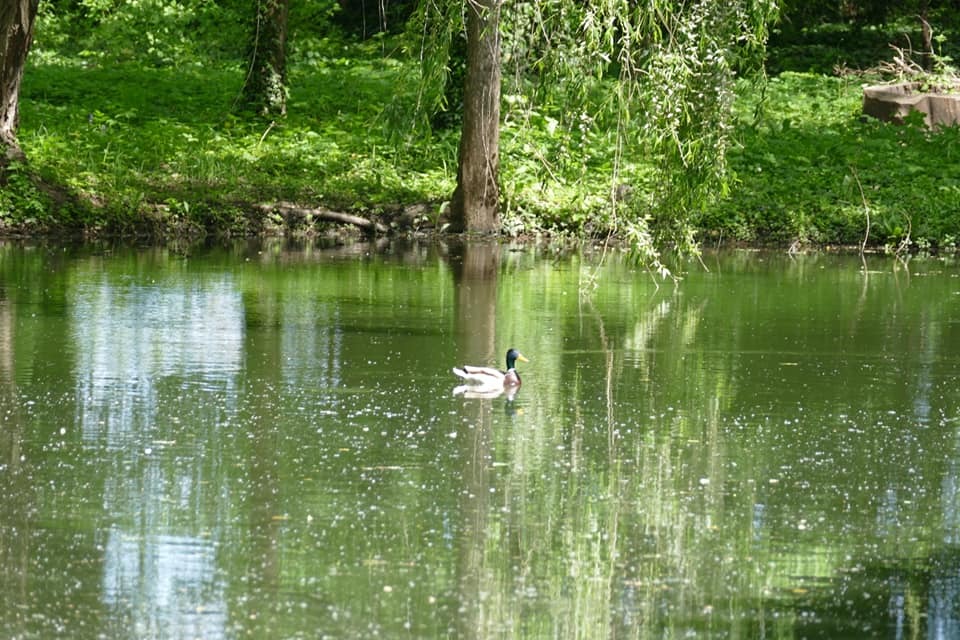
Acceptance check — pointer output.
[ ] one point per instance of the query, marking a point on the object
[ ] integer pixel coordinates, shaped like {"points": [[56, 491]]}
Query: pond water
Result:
{"points": [[262, 441]]}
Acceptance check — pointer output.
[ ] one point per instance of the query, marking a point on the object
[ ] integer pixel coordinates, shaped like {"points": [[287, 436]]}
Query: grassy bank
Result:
{"points": [[167, 145], [812, 168], [161, 148]]}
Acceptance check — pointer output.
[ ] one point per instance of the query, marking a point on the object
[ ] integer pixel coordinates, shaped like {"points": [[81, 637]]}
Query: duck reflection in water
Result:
{"points": [[510, 408], [472, 393]]}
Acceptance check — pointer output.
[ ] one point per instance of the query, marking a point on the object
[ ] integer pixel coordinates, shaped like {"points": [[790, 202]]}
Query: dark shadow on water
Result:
{"points": [[913, 599]]}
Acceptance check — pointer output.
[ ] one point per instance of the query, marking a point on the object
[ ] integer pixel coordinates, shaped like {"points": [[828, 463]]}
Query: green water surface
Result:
{"points": [[263, 441]]}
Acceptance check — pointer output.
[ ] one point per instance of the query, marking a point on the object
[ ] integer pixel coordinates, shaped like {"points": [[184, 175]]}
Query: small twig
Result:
{"points": [[866, 211], [546, 165], [267, 131], [702, 263], [905, 242]]}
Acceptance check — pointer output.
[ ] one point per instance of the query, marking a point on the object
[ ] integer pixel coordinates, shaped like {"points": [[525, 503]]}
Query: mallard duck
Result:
{"points": [[488, 378]]}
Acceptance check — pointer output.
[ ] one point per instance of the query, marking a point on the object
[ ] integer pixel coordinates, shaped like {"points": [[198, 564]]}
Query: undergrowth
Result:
{"points": [[157, 141], [801, 164]]}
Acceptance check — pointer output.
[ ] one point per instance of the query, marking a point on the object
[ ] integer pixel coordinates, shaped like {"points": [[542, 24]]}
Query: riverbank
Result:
{"points": [[146, 150]]}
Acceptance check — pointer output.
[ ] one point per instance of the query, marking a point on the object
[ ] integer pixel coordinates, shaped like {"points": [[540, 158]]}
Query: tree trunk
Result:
{"points": [[475, 202], [16, 34], [926, 36], [266, 85]]}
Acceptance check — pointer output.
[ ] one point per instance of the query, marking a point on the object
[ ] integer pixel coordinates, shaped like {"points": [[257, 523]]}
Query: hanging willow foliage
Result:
{"points": [[686, 96], [434, 30], [660, 73]]}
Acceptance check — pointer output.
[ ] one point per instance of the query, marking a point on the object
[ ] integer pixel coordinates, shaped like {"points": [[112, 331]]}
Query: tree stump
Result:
{"points": [[940, 106]]}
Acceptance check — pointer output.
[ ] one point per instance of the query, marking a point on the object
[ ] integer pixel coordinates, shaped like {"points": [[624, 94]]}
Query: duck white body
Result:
{"points": [[490, 379]]}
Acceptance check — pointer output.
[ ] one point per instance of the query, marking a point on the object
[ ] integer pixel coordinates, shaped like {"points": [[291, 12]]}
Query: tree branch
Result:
{"points": [[288, 208]]}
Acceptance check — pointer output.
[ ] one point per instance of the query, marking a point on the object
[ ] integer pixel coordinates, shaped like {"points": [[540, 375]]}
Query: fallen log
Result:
{"points": [[288, 209]]}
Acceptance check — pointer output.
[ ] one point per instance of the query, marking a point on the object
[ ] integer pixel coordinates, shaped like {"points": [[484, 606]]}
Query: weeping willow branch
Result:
{"points": [[431, 37], [660, 73]]}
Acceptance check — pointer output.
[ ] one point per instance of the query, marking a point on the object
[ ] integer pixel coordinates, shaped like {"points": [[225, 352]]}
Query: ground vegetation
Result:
{"points": [[138, 110]]}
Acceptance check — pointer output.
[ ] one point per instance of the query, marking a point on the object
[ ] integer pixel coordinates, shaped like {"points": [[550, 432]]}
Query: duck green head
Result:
{"points": [[512, 356]]}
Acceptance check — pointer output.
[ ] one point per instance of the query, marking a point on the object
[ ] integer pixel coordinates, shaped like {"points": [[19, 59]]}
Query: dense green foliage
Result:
{"points": [[152, 137], [655, 79], [811, 168], [798, 169]]}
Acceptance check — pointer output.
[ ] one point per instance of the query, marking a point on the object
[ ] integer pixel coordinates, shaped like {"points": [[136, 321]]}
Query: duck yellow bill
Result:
{"points": [[521, 358]]}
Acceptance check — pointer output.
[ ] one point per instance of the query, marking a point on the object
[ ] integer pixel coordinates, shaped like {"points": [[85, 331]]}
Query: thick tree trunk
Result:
{"points": [[475, 203], [16, 34], [266, 85]]}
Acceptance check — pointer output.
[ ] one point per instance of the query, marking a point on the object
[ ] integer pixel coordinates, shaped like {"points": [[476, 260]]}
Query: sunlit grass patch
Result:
{"points": [[803, 148]]}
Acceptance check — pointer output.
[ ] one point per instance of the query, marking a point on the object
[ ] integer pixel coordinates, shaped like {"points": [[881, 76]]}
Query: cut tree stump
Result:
{"points": [[894, 102]]}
